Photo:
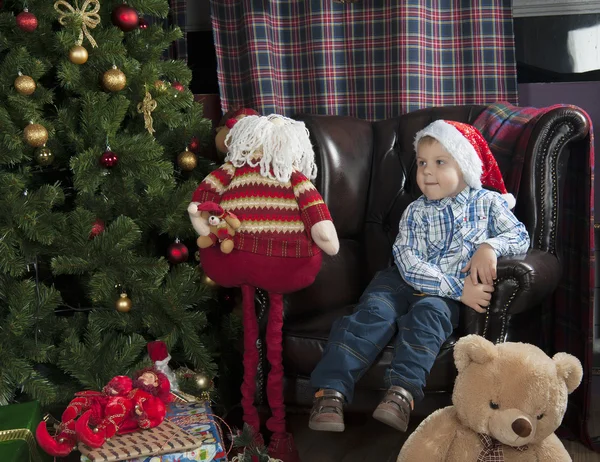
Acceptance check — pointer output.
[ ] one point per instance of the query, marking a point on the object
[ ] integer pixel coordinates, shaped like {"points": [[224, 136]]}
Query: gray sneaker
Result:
{"points": [[327, 413], [394, 409]]}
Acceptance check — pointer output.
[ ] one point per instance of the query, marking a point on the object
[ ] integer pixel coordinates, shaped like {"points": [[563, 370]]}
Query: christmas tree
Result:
{"points": [[95, 178]]}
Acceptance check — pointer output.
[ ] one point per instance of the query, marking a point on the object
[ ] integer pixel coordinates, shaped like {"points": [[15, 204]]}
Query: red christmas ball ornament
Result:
{"points": [[125, 18], [177, 86], [143, 24], [97, 228], [27, 21], [109, 159], [177, 253], [194, 145]]}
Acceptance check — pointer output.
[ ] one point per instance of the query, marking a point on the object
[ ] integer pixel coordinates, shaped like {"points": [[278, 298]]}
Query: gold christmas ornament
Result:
{"points": [[202, 382], [123, 304], [160, 85], [44, 156], [187, 160], [146, 107], [25, 85], [35, 135], [78, 55], [208, 281], [114, 79], [87, 16]]}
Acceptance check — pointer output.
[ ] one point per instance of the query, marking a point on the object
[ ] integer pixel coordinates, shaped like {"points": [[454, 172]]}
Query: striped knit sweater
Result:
{"points": [[276, 218]]}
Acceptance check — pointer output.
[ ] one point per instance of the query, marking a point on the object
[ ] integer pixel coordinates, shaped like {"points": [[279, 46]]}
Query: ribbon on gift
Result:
{"points": [[22, 434]]}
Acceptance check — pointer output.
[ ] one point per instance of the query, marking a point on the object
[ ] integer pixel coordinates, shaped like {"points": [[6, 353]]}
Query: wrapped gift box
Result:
{"points": [[143, 445], [17, 433], [194, 419], [197, 420]]}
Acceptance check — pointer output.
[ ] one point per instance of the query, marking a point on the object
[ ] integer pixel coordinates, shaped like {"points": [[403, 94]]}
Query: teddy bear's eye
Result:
{"points": [[494, 405], [540, 417]]}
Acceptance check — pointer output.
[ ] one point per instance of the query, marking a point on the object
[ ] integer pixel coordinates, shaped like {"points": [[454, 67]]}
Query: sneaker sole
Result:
{"points": [[390, 419], [326, 426]]}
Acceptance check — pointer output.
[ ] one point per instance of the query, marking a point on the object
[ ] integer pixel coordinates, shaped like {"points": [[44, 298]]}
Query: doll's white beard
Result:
{"points": [[277, 144]]}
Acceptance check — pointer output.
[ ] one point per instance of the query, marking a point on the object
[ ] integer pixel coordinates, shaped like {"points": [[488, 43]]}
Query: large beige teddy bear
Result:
{"points": [[508, 401]]}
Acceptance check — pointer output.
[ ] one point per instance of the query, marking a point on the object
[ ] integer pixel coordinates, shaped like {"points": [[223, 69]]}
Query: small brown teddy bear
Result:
{"points": [[222, 224], [508, 401]]}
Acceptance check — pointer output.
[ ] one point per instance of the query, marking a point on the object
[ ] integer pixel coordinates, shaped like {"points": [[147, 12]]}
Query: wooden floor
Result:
{"points": [[368, 440]]}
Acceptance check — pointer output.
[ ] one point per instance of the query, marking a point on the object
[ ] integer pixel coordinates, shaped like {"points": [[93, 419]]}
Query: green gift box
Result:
{"points": [[17, 433]]}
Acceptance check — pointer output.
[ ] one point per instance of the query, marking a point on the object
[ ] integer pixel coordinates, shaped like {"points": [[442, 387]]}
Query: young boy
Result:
{"points": [[445, 255]]}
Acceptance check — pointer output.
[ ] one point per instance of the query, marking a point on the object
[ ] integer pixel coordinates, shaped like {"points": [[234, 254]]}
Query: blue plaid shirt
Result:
{"points": [[437, 239]]}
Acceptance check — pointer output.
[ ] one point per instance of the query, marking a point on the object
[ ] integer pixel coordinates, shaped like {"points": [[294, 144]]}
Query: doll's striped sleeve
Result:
{"points": [[312, 207], [214, 184]]}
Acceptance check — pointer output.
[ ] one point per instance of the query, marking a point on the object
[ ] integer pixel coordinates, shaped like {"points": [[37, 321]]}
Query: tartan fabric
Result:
{"points": [[570, 321], [372, 60], [507, 131], [176, 17], [492, 449]]}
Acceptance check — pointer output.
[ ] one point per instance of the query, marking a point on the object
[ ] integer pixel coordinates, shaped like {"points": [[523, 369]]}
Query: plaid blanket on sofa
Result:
{"points": [[507, 129]]}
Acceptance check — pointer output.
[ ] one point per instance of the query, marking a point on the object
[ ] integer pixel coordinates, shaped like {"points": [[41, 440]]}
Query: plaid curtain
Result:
{"points": [[373, 59], [567, 322], [178, 49]]}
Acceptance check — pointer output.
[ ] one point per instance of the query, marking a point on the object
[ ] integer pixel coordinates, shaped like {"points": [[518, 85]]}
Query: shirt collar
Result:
{"points": [[460, 198]]}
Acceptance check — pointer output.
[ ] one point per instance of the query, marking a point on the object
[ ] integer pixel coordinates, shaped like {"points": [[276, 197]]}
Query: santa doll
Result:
{"points": [[284, 226]]}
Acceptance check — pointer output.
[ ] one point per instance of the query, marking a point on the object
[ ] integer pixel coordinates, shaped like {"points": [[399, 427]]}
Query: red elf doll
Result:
{"points": [[284, 226]]}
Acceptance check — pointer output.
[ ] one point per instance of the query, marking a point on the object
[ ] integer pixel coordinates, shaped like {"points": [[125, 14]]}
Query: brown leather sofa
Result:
{"points": [[367, 177]]}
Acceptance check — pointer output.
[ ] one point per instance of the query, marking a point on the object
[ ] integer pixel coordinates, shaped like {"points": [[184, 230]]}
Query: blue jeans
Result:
{"points": [[388, 306]]}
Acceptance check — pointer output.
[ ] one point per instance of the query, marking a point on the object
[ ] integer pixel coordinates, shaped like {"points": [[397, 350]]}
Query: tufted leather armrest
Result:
{"points": [[524, 281]]}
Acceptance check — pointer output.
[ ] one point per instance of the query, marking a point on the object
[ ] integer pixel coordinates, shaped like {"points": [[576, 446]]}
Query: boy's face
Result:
{"points": [[438, 174]]}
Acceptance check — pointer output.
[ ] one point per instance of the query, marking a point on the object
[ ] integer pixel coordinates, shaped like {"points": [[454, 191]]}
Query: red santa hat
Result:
{"points": [[157, 351], [212, 208], [236, 116], [471, 152]]}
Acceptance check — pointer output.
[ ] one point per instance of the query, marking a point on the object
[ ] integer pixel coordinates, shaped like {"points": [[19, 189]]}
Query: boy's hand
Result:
{"points": [[482, 265], [477, 296]]}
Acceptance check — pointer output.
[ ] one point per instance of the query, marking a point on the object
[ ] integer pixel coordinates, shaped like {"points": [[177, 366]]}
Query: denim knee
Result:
{"points": [[445, 312]]}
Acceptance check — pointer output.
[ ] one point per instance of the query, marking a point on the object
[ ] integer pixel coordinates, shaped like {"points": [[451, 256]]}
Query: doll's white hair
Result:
{"points": [[278, 144]]}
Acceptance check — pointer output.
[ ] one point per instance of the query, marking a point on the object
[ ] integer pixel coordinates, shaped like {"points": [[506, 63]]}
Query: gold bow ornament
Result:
{"points": [[146, 107], [87, 15]]}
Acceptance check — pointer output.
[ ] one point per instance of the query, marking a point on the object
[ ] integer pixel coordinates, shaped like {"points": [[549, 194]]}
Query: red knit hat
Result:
{"points": [[235, 116], [471, 152], [211, 207]]}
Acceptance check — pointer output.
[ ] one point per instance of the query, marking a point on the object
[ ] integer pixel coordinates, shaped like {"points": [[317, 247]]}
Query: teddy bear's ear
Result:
{"points": [[473, 348], [569, 369]]}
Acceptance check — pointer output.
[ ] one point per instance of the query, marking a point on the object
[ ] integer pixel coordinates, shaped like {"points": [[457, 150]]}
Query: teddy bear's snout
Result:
{"points": [[213, 221], [522, 427]]}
